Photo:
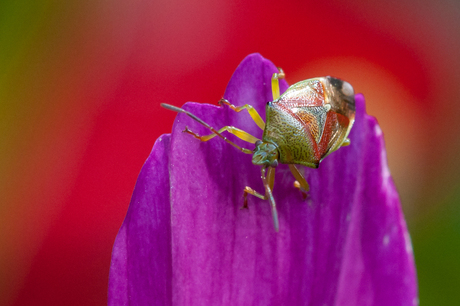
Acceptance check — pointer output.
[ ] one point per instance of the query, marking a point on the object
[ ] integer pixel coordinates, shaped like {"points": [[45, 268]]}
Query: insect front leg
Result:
{"points": [[231, 129], [276, 84], [180, 110], [268, 180], [249, 190]]}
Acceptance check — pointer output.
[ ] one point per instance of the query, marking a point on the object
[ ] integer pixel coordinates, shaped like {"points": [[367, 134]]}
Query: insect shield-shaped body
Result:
{"points": [[309, 121]]}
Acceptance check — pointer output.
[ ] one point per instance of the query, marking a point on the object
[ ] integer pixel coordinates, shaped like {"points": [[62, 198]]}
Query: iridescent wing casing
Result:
{"points": [[310, 120]]}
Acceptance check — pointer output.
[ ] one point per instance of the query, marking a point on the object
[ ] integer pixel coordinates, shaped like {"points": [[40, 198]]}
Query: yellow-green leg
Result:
{"points": [[301, 182], [216, 132], [276, 84], [271, 182], [251, 110], [231, 129]]}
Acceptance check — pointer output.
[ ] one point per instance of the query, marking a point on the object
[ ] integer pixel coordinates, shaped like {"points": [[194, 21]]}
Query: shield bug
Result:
{"points": [[310, 120]]}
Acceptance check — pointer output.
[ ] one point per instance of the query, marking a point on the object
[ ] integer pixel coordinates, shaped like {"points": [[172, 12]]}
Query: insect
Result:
{"points": [[309, 121]]}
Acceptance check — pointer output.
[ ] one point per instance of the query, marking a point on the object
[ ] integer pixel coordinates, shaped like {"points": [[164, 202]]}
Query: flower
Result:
{"points": [[185, 240]]}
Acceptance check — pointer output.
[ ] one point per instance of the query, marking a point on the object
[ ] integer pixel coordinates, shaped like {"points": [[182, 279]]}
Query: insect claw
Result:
{"points": [[281, 74], [304, 193], [223, 101], [245, 202], [188, 131]]}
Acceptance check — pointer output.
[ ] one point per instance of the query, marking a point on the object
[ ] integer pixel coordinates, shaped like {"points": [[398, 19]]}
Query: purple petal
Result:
{"points": [[347, 244], [140, 273]]}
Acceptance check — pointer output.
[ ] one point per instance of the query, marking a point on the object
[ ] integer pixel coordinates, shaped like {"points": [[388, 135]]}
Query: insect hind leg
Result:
{"points": [[276, 84], [301, 182]]}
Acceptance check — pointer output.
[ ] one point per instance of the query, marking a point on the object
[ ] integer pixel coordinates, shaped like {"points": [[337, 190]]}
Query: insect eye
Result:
{"points": [[274, 163], [347, 89], [257, 143]]}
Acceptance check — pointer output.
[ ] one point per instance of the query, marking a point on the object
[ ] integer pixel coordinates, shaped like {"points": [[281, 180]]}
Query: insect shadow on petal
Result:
{"points": [[310, 120]]}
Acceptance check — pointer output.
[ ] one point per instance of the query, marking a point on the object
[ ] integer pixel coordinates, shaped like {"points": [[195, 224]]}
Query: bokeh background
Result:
{"points": [[80, 86]]}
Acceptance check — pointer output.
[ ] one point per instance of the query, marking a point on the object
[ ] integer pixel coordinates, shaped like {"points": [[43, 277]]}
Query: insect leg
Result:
{"points": [[268, 180], [231, 129], [276, 84], [251, 110], [249, 190], [180, 110], [346, 142], [300, 182]]}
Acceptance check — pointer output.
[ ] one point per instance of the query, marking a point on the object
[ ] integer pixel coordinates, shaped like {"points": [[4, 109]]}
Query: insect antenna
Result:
{"points": [[180, 110]]}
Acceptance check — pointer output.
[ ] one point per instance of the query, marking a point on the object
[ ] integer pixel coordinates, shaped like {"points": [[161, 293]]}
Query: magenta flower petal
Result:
{"points": [[185, 240], [140, 272]]}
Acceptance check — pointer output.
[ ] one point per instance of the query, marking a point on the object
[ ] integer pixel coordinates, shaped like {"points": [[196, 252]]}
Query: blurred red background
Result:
{"points": [[80, 88]]}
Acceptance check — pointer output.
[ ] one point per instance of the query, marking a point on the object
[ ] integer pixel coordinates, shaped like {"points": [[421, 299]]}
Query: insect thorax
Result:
{"points": [[291, 137]]}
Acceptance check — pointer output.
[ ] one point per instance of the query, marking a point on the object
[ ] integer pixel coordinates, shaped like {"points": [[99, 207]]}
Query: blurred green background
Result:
{"points": [[80, 88]]}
